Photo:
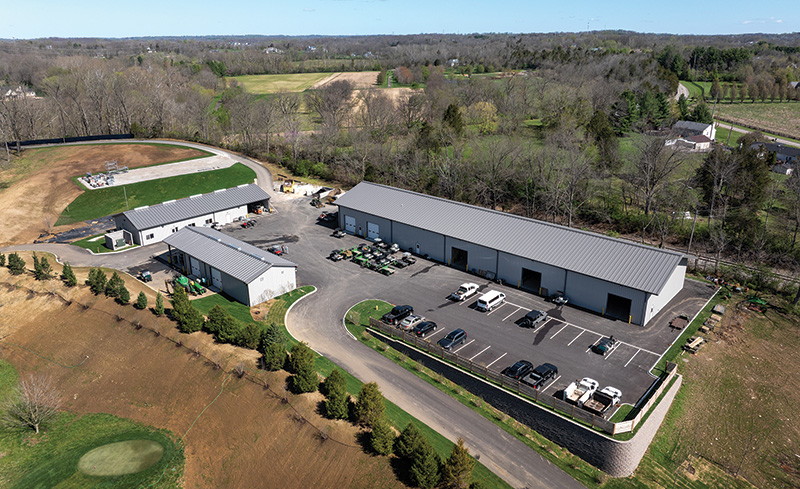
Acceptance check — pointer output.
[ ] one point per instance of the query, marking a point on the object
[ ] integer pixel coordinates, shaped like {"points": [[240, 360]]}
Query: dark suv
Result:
{"points": [[518, 370], [424, 328], [541, 374], [533, 319], [397, 314], [453, 338]]}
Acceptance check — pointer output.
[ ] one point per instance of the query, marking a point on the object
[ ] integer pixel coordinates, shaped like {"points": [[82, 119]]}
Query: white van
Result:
{"points": [[490, 300]]}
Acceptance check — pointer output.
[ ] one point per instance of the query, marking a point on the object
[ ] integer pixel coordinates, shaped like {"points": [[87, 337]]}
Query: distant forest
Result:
{"points": [[566, 127]]}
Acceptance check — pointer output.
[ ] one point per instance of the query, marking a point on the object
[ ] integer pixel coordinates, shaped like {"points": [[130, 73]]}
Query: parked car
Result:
{"points": [[410, 322], [335, 255], [604, 345], [277, 250], [338, 233], [490, 300], [423, 328], [327, 216], [533, 319], [559, 299], [397, 314], [540, 375], [145, 276], [519, 370], [464, 292], [453, 338]]}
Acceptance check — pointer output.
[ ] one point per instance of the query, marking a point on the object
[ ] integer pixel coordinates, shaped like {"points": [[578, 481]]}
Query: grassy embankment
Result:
{"points": [[92, 204]]}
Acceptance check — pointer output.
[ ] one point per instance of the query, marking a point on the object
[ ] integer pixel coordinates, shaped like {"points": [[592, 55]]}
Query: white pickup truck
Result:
{"points": [[580, 391], [603, 400], [464, 292]]}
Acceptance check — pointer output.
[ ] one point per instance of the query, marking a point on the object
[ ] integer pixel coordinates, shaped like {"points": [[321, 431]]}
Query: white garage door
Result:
{"points": [[195, 266], [350, 224], [216, 278], [373, 230]]}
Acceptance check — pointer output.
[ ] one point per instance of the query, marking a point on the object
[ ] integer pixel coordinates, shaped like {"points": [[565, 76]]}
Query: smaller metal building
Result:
{"points": [[151, 224], [242, 271], [617, 278]]}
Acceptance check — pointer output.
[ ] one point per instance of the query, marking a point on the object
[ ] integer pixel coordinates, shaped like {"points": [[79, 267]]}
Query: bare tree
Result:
{"points": [[654, 167], [34, 402], [333, 102]]}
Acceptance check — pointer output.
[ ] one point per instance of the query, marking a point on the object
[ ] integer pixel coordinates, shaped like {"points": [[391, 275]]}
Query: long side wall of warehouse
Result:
{"points": [[674, 285], [591, 293]]}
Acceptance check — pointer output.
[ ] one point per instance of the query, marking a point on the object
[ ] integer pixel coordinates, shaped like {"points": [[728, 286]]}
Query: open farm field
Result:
{"points": [[92, 204], [237, 432], [781, 117], [37, 187], [265, 84]]}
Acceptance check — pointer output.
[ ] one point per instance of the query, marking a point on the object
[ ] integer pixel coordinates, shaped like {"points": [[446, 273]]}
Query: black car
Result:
{"points": [[423, 328], [533, 319], [397, 314], [604, 345], [541, 374], [455, 337], [518, 370]]}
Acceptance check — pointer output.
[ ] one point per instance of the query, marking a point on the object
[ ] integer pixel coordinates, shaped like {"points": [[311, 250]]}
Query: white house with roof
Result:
{"points": [[151, 224], [687, 129], [246, 273]]}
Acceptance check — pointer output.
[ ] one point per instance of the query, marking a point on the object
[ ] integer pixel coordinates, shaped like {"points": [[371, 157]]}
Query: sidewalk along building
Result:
{"points": [[620, 279], [151, 224], [246, 273]]}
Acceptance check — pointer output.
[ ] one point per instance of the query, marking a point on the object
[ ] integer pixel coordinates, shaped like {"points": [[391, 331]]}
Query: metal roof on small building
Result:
{"points": [[225, 253], [626, 263], [198, 205], [691, 126]]}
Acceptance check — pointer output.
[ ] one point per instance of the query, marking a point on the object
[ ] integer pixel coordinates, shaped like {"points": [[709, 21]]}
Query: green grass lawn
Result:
{"points": [[264, 84], [97, 244], [92, 204], [50, 459], [234, 308]]}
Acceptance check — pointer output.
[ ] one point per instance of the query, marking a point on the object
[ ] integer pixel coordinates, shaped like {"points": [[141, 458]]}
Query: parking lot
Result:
{"points": [[495, 338]]}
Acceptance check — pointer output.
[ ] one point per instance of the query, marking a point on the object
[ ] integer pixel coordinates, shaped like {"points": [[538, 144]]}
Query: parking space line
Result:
{"points": [[596, 341], [634, 356], [612, 350], [575, 338], [516, 305], [560, 330], [518, 308], [498, 358], [496, 308], [464, 346], [471, 358], [552, 382], [435, 332]]}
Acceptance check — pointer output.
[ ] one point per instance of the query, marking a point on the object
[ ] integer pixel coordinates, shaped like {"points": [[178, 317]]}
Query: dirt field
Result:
{"points": [[246, 437], [38, 186], [743, 410], [363, 79]]}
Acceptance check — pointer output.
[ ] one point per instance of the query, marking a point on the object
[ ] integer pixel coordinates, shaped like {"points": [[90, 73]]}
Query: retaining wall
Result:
{"points": [[617, 458]]}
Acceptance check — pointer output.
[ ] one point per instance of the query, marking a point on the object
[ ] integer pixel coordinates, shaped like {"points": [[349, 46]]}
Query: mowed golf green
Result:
{"points": [[265, 84], [121, 458], [92, 204]]}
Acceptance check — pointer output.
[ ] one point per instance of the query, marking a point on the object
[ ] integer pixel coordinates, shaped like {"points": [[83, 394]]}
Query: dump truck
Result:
{"points": [[580, 391], [603, 400]]}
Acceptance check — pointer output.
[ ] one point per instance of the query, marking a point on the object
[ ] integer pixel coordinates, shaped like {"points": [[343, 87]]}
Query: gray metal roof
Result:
{"points": [[691, 126], [198, 205], [626, 263], [230, 255]]}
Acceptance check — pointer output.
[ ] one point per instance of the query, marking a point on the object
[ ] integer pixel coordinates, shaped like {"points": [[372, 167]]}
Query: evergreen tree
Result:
{"points": [[425, 467], [452, 117], [37, 267], [114, 285], [141, 301], [457, 469], [188, 318], [97, 281], [407, 442], [249, 335], [222, 325], [301, 363], [370, 405], [124, 295], [159, 309], [381, 438], [46, 267], [335, 387], [68, 276], [701, 113], [16, 265], [274, 356], [2, 260], [269, 335], [716, 89], [683, 107]]}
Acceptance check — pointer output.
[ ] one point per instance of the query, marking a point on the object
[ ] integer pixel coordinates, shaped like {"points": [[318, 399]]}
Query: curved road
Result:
{"points": [[318, 321]]}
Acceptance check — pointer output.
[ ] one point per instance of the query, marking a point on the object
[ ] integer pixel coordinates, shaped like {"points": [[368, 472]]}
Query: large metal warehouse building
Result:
{"points": [[248, 274], [617, 278], [151, 224]]}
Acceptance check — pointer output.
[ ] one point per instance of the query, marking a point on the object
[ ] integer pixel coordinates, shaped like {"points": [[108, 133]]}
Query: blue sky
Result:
{"points": [[113, 18]]}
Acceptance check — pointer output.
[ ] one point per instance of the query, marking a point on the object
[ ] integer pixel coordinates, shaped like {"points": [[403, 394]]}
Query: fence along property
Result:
{"points": [[562, 407]]}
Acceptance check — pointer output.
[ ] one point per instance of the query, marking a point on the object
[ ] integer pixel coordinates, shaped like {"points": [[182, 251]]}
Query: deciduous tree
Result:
{"points": [[34, 402]]}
